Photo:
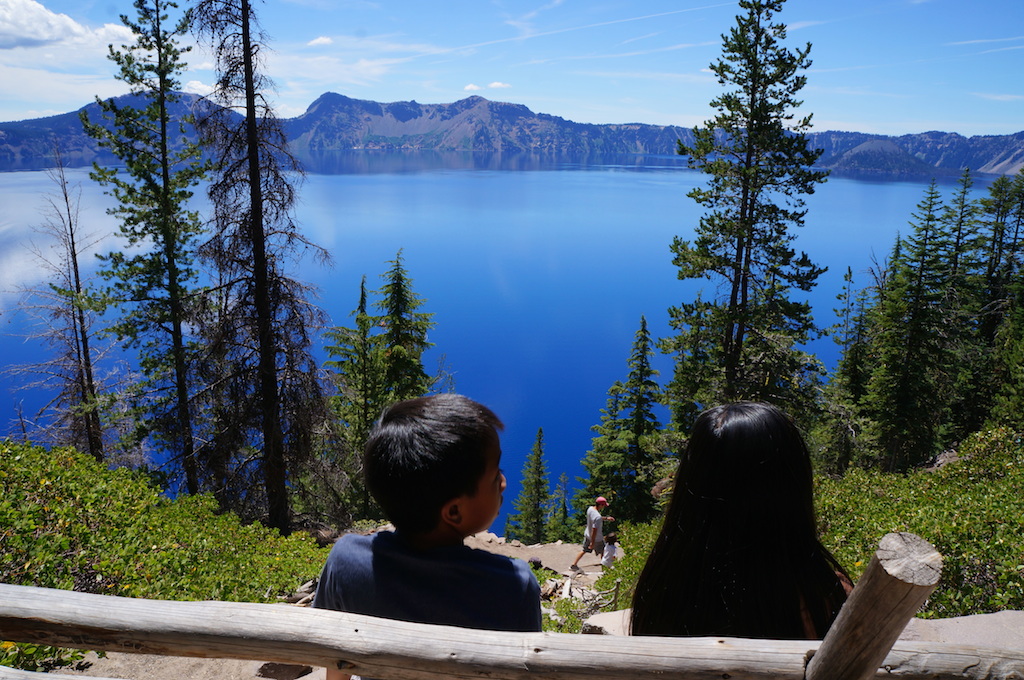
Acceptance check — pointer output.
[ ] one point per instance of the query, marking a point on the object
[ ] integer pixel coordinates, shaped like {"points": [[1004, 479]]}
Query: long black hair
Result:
{"points": [[738, 554]]}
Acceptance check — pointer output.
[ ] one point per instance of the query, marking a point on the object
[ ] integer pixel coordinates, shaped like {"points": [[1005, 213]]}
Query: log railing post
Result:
{"points": [[901, 575]]}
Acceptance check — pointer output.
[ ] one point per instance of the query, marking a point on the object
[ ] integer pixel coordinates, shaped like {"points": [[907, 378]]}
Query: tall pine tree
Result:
{"points": [[528, 522], [843, 427], [908, 389], [154, 282], [756, 153], [376, 362], [357, 365], [970, 386], [405, 335], [1002, 300], [624, 461], [561, 524]]}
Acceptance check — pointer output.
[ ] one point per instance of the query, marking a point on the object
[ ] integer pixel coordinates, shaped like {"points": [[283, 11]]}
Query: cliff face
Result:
{"points": [[335, 123], [928, 152]]}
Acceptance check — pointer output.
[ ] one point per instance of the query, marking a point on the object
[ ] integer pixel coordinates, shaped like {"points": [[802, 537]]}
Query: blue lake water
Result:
{"points": [[537, 276]]}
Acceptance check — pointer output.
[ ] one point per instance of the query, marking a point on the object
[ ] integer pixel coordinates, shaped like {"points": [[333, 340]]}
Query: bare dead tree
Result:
{"points": [[64, 321], [258, 323]]}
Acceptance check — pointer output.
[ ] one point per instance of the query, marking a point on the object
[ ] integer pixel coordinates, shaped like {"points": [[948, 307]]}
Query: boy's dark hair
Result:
{"points": [[424, 452], [611, 538]]}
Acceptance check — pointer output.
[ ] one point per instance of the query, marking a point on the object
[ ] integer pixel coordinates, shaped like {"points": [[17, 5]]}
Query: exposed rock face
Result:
{"points": [[334, 124], [928, 153]]}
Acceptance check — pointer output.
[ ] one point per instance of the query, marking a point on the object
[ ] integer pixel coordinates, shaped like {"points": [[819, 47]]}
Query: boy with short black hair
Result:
{"points": [[432, 464]]}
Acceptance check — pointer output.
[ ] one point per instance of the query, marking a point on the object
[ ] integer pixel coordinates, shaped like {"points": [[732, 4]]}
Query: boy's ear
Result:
{"points": [[451, 513]]}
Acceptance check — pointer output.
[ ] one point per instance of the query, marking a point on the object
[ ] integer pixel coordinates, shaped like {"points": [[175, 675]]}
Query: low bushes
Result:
{"points": [[68, 522], [971, 510]]}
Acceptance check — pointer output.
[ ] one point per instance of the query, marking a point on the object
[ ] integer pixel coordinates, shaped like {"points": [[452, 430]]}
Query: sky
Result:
{"points": [[879, 66]]}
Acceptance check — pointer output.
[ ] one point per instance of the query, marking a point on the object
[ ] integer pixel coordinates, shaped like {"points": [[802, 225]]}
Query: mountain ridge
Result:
{"points": [[335, 123]]}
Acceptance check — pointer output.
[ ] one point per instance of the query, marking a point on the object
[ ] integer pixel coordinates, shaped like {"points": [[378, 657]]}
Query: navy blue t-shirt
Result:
{"points": [[381, 575]]}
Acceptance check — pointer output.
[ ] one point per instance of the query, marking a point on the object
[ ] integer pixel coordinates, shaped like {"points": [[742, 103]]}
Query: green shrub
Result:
{"points": [[971, 510], [636, 541], [68, 522]]}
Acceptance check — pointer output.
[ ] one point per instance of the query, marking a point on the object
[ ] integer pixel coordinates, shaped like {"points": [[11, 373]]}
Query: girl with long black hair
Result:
{"points": [[738, 554]]}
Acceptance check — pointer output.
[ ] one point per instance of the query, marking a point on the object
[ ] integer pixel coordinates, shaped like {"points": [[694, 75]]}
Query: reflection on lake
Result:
{"points": [[373, 162]]}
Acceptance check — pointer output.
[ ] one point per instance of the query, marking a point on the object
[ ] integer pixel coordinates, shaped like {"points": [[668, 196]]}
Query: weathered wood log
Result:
{"points": [[374, 647], [902, 573], [395, 649]]}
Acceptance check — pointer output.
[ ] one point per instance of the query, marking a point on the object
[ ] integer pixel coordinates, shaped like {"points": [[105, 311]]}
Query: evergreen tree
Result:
{"points": [[359, 377], [377, 362], [1001, 221], [153, 279], [405, 335], [943, 334], [258, 331], [560, 524], [961, 223], [528, 522], [696, 379], [756, 153], [641, 396], [606, 461], [625, 454], [907, 392], [971, 389], [852, 335], [1008, 365], [843, 426], [1002, 299]]}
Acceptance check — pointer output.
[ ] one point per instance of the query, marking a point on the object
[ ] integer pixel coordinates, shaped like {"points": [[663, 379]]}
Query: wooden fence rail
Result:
{"points": [[405, 651]]}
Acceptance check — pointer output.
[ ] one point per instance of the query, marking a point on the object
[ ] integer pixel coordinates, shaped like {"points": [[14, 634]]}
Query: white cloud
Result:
{"points": [[797, 25], [197, 87], [471, 88], [987, 41], [702, 78], [309, 77], [322, 40], [497, 85], [26, 23], [51, 63], [289, 111]]}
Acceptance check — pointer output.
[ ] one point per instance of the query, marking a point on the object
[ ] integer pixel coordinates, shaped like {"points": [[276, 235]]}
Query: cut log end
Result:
{"points": [[910, 559]]}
